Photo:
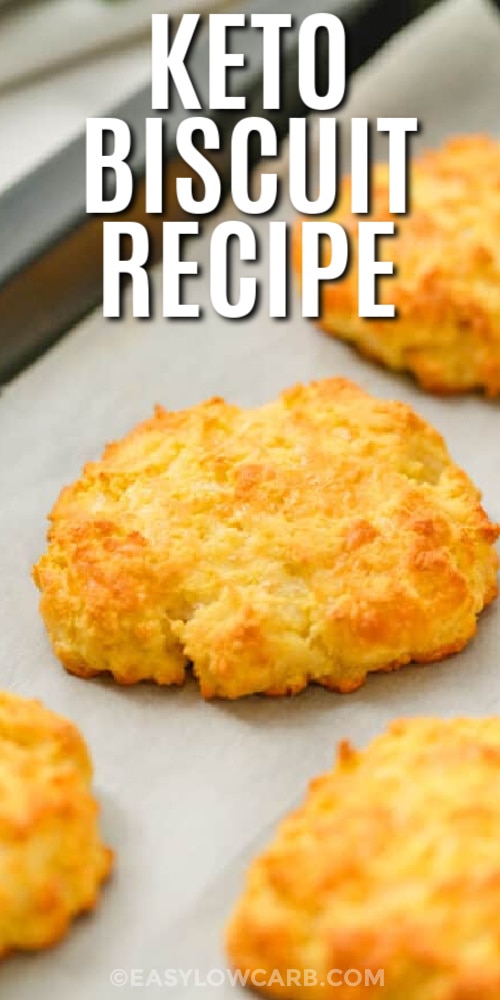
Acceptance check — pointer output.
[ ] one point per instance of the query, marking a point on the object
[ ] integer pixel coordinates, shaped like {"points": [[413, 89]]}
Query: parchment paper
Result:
{"points": [[191, 790]]}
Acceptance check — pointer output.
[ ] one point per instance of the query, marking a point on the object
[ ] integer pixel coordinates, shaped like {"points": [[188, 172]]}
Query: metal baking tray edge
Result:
{"points": [[51, 250]]}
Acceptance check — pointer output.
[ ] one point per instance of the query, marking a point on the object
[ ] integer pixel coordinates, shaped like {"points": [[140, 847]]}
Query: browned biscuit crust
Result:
{"points": [[52, 861], [391, 865], [446, 287], [322, 536]]}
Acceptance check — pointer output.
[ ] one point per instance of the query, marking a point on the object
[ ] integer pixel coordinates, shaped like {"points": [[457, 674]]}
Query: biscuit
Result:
{"points": [[392, 867], [317, 538], [446, 283], [52, 860]]}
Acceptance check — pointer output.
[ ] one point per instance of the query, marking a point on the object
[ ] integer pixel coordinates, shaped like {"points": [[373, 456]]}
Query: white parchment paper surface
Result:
{"points": [[190, 791]]}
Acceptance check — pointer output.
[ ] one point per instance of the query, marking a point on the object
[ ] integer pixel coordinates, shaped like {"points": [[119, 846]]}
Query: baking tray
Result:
{"points": [[44, 289], [191, 790], [81, 30]]}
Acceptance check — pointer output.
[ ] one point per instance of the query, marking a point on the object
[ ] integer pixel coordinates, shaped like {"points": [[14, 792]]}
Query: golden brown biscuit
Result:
{"points": [[391, 866], [317, 538], [446, 287], [52, 860]]}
